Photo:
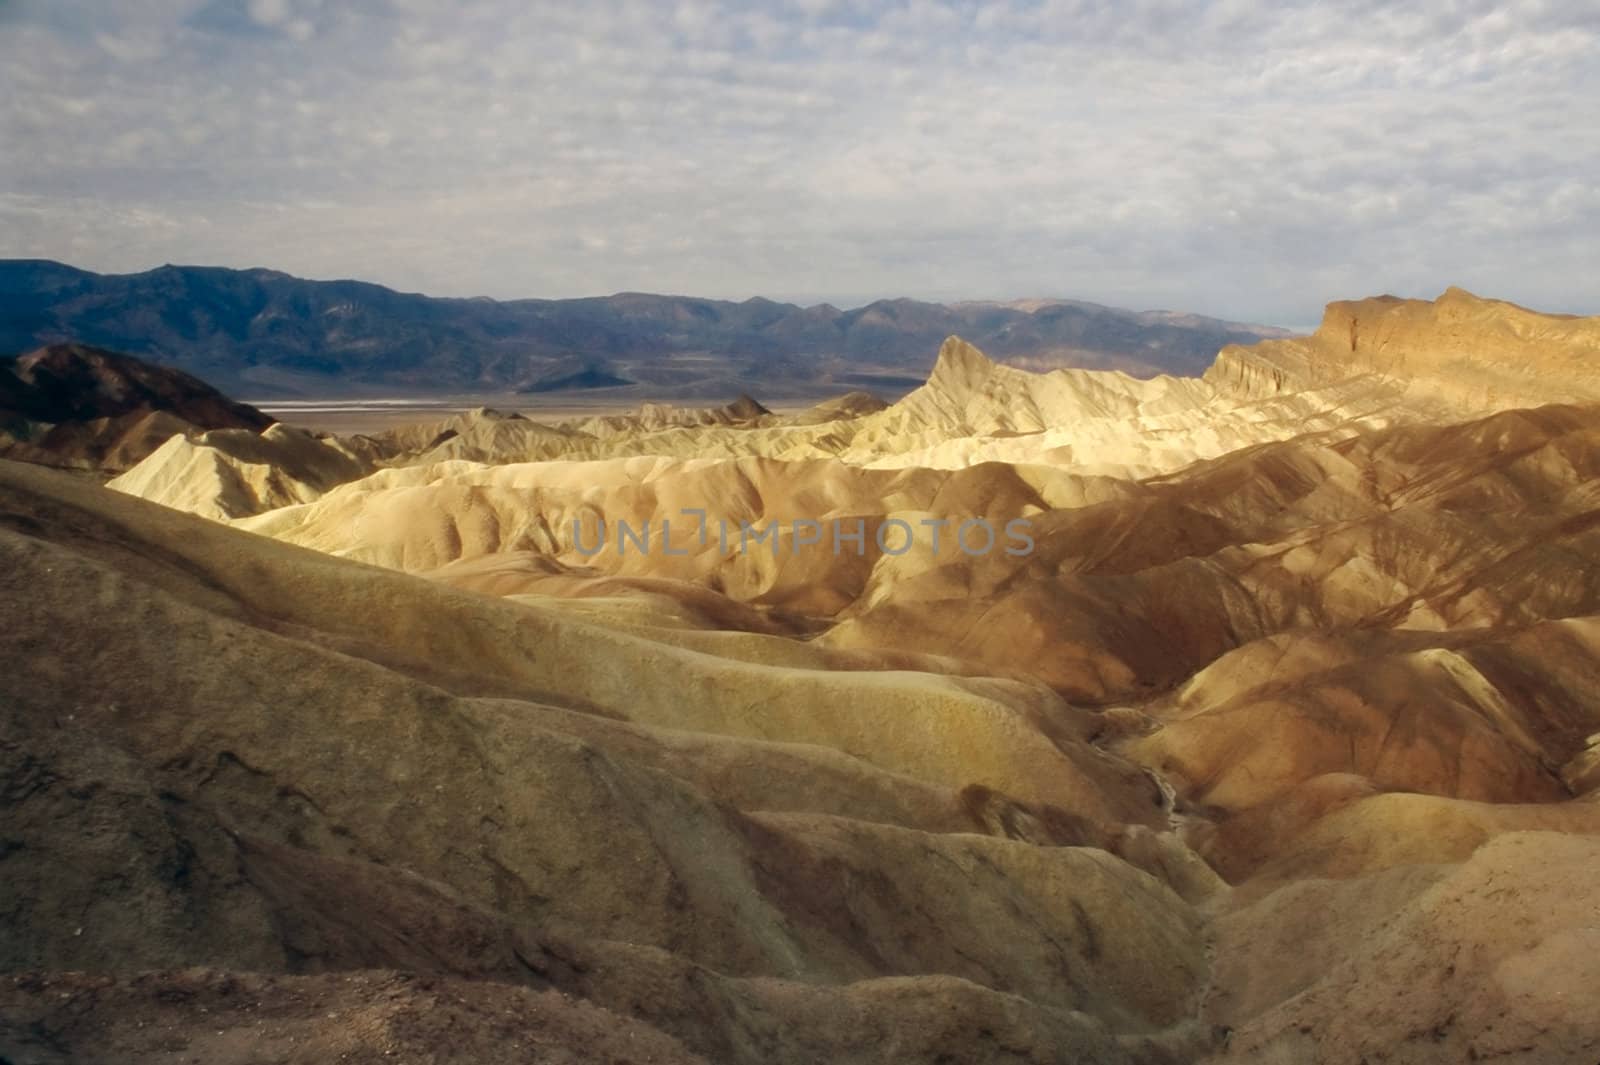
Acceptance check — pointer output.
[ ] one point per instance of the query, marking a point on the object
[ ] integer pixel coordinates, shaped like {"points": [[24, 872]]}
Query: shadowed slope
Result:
{"points": [[246, 736]]}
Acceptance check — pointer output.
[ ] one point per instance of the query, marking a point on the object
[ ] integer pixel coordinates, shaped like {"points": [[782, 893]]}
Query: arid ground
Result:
{"points": [[1278, 741]]}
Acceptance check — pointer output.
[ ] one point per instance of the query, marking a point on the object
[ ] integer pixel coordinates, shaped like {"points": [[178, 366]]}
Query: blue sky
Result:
{"points": [[1240, 159]]}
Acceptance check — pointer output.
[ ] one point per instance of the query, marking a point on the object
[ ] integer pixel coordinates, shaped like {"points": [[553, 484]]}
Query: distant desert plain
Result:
{"points": [[1244, 712]]}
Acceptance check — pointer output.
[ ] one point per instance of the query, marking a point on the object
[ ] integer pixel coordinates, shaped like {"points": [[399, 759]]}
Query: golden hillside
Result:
{"points": [[1279, 741]]}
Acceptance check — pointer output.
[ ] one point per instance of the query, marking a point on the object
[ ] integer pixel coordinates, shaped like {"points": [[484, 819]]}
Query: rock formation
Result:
{"points": [[1279, 741]]}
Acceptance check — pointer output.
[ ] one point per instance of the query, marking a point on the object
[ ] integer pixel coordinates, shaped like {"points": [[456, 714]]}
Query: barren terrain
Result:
{"points": [[1279, 743]]}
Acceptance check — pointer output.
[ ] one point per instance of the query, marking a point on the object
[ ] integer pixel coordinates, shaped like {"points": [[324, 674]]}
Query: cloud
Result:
{"points": [[1238, 158]]}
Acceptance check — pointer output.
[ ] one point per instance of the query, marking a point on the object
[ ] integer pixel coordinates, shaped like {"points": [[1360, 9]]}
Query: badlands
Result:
{"points": [[1279, 743]]}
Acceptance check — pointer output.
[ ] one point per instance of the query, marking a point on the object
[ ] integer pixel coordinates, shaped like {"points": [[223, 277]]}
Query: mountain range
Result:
{"points": [[264, 333]]}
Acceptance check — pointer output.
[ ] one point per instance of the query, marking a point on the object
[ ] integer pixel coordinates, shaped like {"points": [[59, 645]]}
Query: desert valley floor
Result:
{"points": [[1280, 743]]}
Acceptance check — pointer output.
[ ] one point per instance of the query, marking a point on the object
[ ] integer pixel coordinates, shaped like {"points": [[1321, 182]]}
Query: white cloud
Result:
{"points": [[269, 12], [1230, 157]]}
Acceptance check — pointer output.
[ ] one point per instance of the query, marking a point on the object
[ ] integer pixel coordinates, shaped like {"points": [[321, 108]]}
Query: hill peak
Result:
{"points": [[960, 364]]}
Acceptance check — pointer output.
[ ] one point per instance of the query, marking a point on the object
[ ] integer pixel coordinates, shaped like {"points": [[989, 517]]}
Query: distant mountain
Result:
{"points": [[261, 331]]}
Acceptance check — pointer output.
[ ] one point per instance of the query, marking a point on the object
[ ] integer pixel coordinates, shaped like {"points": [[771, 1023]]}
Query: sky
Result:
{"points": [[1246, 160]]}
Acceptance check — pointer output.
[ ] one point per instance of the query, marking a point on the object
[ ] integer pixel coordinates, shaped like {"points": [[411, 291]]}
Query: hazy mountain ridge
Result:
{"points": [[261, 329]]}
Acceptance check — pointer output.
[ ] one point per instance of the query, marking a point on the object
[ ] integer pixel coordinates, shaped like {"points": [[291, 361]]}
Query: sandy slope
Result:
{"points": [[287, 740]]}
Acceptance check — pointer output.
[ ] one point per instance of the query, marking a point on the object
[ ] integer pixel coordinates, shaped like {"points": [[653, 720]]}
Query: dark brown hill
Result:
{"points": [[77, 406]]}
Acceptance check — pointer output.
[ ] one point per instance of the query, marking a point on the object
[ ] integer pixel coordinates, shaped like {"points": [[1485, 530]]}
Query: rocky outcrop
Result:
{"points": [[1455, 356]]}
